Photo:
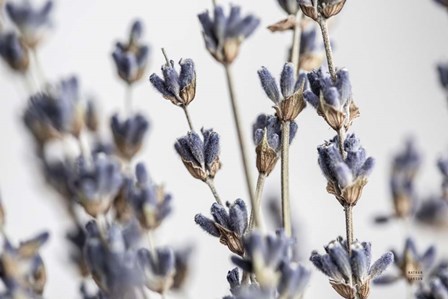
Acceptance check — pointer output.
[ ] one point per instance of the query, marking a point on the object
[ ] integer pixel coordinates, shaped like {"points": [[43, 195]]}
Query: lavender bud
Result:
{"points": [[128, 134], [269, 85], [14, 52]]}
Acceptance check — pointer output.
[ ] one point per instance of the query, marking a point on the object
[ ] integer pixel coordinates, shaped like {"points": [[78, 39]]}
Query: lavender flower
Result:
{"points": [[223, 34], [346, 177], [158, 270], [91, 115], [322, 9], [341, 268], [293, 281], [183, 265], [77, 238], [200, 156], [410, 264], [435, 285], [32, 22], [114, 267], [22, 267], [96, 183], [443, 72], [180, 88], [14, 52], [131, 58], [311, 49], [291, 103], [442, 2], [442, 164], [263, 257], [229, 226], [332, 100], [128, 134], [433, 212], [267, 138], [55, 112], [289, 6], [150, 203]]}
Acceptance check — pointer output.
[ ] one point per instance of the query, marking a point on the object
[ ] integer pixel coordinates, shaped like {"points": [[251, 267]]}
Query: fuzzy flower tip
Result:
{"points": [[288, 99], [131, 57], [332, 99], [223, 34], [129, 134], [179, 88], [410, 264], [341, 268], [228, 225], [267, 132], [55, 112], [346, 177], [312, 51], [96, 183], [149, 201], [200, 155], [158, 270], [322, 9], [14, 52], [32, 22]]}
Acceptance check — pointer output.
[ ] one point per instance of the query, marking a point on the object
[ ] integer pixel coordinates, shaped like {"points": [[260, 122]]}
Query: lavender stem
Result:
{"points": [[187, 115], [286, 205], [237, 121], [295, 49], [255, 217], [324, 29], [211, 184], [128, 100]]}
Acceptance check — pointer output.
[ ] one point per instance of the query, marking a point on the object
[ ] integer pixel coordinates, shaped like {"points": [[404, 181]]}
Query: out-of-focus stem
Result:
{"points": [[286, 205], [211, 184], [295, 48], [39, 68], [255, 216], [187, 115], [241, 140], [324, 29], [128, 100]]}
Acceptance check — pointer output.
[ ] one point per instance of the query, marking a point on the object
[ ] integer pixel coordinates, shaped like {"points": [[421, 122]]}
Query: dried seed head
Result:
{"points": [[323, 8], [266, 156]]}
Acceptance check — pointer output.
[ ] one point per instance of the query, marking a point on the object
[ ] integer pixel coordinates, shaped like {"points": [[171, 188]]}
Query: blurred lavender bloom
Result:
{"points": [[289, 6], [91, 115], [410, 263], [200, 156], [14, 52], [267, 138], [240, 290], [436, 287], [96, 183], [179, 88], [88, 295], [55, 112], [31, 21], [77, 238], [158, 271], [312, 51], [183, 264], [293, 281], [346, 177], [325, 8], [433, 212], [290, 103], [223, 34], [341, 268], [129, 134], [443, 71], [229, 226], [442, 164], [263, 256], [332, 100], [149, 201], [22, 267], [115, 268], [442, 2], [131, 58]]}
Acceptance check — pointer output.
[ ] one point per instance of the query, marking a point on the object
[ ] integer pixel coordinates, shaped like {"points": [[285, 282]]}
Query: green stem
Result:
{"points": [[286, 205], [237, 121]]}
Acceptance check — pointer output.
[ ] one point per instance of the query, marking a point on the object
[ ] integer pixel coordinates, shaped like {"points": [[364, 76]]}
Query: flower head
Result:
{"points": [[435, 286], [14, 52], [312, 52], [32, 22], [182, 257], [346, 177], [131, 58], [96, 183], [433, 212], [200, 156], [410, 264], [332, 99], [290, 103], [293, 280], [179, 88], [149, 201], [264, 256], [128, 134], [442, 164], [158, 268], [322, 9], [341, 267], [267, 132], [289, 6], [223, 34], [55, 112], [229, 226], [443, 73]]}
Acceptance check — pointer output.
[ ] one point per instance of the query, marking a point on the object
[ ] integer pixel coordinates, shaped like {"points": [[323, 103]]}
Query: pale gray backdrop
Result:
{"points": [[390, 47]]}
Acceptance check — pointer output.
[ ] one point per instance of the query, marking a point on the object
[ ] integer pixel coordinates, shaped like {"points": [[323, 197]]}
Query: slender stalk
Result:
{"points": [[152, 246], [39, 68], [211, 184], [255, 217], [128, 100], [214, 3], [324, 29], [286, 205], [242, 144], [341, 137], [187, 115], [295, 48], [349, 226]]}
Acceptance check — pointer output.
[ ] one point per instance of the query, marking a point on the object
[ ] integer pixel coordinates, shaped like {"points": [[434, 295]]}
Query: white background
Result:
{"points": [[390, 47]]}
